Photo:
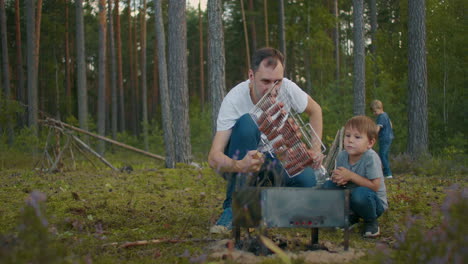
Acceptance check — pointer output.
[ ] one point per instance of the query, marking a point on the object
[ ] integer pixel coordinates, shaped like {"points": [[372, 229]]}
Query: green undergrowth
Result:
{"points": [[88, 208]]}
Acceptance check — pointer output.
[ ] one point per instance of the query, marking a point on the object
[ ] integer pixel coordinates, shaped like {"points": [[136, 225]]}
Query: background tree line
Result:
{"points": [[100, 67]]}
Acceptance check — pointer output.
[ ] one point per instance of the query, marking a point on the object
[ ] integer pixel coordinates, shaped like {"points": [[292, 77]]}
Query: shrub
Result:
{"points": [[445, 243]]}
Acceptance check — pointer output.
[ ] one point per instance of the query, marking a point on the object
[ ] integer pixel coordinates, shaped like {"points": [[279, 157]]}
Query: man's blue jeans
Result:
{"points": [[364, 202], [245, 136], [384, 150]]}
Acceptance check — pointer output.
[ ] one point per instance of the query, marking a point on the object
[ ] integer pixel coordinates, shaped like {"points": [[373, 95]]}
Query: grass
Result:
{"points": [[89, 207]]}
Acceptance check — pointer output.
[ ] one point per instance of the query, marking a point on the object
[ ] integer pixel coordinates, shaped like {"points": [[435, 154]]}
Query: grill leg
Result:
{"points": [[346, 229], [236, 233], [314, 237]]}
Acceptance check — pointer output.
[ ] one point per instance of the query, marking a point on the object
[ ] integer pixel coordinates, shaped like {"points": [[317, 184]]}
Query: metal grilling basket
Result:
{"points": [[284, 132]]}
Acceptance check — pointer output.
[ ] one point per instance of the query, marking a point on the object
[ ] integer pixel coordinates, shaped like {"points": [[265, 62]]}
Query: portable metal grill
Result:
{"points": [[283, 131], [271, 207]]}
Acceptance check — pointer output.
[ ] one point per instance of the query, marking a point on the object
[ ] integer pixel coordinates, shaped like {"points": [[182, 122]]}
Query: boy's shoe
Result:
{"points": [[389, 177], [371, 229], [224, 223]]}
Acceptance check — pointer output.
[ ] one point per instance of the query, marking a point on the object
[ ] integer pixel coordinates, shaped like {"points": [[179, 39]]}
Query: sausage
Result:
{"points": [[265, 124], [267, 102]]}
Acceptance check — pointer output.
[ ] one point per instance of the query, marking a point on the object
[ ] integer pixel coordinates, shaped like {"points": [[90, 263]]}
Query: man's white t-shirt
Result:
{"points": [[238, 102]]}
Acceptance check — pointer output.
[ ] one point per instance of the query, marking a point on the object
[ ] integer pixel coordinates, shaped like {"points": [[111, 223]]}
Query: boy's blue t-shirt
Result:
{"points": [[386, 131], [368, 166]]}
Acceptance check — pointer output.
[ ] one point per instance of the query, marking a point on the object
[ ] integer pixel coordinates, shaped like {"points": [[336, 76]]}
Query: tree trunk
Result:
{"points": [[136, 85], [359, 84], [119, 69], [308, 57], [282, 30], [178, 79], [336, 38], [131, 84], [32, 72], [4, 46], [163, 86], [265, 13], [81, 68], [216, 59], [38, 31], [6, 67], [155, 98], [253, 30], [418, 139], [373, 22], [68, 92], [101, 115], [144, 89], [373, 46], [246, 35], [202, 64], [20, 92], [113, 79]]}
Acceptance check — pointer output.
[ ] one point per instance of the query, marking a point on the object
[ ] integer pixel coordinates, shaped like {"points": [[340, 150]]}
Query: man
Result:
{"points": [[234, 147]]}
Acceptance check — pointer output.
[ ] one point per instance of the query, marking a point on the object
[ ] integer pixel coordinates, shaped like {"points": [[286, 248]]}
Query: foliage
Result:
{"points": [[444, 243], [33, 242], [9, 110]]}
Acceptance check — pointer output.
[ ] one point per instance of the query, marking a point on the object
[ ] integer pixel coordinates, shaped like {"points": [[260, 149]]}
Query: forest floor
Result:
{"points": [[90, 214]]}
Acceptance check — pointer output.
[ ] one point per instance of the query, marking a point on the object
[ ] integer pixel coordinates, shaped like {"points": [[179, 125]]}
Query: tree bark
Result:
{"points": [[81, 67], [167, 124], [418, 139], [144, 89], [373, 29], [246, 35], [202, 62], [265, 13], [336, 38], [38, 31], [131, 65], [113, 77], [4, 45], [282, 31], [119, 69], [216, 59], [68, 92], [101, 115], [31, 61], [359, 85], [20, 92], [178, 79], [253, 30], [6, 67]]}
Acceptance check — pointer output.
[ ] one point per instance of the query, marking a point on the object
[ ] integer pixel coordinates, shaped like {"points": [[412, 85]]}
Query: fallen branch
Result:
{"points": [[155, 241], [62, 124], [101, 158]]}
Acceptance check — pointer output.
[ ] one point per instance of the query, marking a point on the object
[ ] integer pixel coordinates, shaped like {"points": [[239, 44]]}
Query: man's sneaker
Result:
{"points": [[389, 177], [353, 221], [224, 223], [371, 229]]}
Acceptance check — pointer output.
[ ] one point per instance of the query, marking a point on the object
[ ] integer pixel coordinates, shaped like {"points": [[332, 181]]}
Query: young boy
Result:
{"points": [[358, 167], [384, 127]]}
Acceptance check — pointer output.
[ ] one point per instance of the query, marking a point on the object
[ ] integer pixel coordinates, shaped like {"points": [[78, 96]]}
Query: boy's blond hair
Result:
{"points": [[376, 104], [363, 124]]}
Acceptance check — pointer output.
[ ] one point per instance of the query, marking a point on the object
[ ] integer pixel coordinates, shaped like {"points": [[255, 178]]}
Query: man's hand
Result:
{"points": [[341, 176], [252, 162]]}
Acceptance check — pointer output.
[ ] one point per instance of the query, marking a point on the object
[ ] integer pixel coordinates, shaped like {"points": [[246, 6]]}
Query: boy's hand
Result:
{"points": [[341, 176]]}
